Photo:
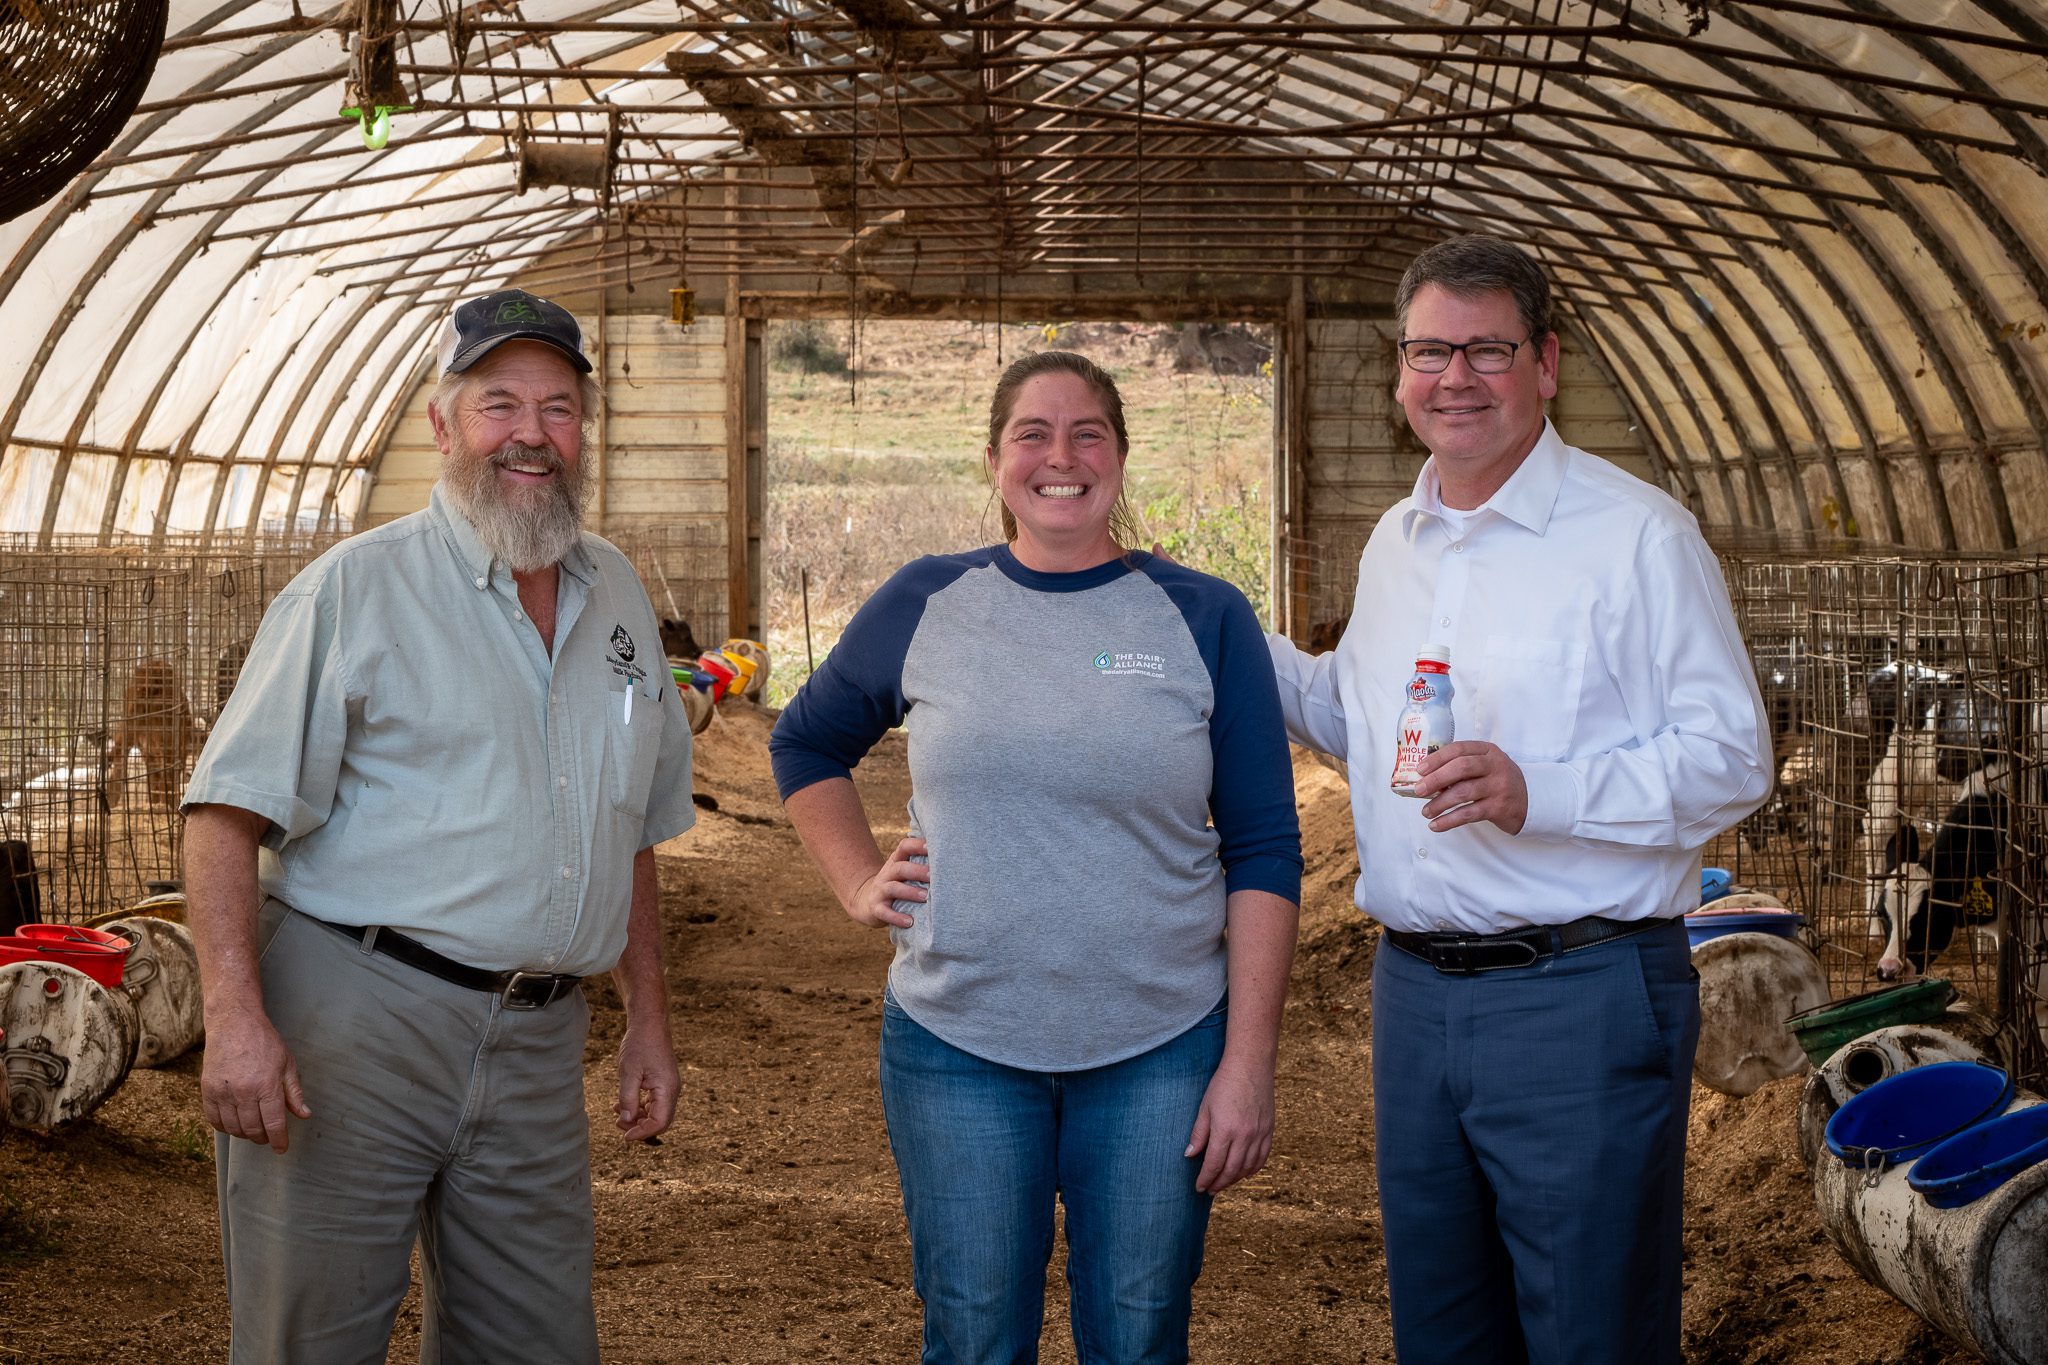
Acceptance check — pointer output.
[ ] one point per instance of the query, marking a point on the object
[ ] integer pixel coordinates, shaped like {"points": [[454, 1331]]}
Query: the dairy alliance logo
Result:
{"points": [[621, 657], [1124, 662]]}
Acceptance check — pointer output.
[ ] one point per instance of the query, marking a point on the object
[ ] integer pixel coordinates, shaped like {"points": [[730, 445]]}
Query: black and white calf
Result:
{"points": [[1934, 886], [1942, 733]]}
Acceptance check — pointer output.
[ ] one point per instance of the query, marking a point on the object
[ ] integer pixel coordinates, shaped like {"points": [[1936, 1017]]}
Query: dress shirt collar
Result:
{"points": [[1527, 498], [477, 562]]}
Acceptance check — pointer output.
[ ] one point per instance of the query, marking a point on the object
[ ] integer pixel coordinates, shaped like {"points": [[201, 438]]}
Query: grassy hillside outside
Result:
{"points": [[875, 441]]}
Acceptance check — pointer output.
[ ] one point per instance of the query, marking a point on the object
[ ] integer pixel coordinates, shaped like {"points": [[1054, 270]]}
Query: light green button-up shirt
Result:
{"points": [[425, 765]]}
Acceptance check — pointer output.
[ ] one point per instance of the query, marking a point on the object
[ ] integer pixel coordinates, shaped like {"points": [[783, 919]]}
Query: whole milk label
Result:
{"points": [[1425, 724]]}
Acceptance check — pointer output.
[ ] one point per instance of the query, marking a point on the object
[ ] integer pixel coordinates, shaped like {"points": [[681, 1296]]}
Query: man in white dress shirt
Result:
{"points": [[1534, 1007]]}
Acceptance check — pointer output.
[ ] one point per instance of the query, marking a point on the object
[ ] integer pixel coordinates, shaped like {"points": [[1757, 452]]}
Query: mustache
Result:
{"points": [[514, 453]]}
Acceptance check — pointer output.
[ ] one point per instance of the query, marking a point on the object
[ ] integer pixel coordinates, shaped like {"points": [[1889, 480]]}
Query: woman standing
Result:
{"points": [[1100, 786]]}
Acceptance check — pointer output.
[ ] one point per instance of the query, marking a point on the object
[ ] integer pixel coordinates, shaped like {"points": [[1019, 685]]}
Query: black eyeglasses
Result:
{"points": [[1485, 357]]}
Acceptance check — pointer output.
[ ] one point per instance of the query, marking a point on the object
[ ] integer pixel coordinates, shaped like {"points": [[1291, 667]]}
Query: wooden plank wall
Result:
{"points": [[408, 467], [1362, 459], [665, 423]]}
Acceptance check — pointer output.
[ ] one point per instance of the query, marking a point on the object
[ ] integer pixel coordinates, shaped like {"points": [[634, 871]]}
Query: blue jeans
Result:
{"points": [[983, 1149], [1530, 1137]]}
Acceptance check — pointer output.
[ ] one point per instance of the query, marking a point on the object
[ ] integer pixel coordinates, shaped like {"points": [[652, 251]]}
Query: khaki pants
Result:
{"points": [[438, 1116]]}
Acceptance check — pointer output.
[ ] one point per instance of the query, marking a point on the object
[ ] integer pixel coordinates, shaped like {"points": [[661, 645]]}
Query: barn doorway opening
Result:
{"points": [[874, 455]]}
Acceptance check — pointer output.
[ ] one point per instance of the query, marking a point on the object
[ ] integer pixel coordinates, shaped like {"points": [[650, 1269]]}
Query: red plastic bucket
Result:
{"points": [[722, 670], [101, 956]]}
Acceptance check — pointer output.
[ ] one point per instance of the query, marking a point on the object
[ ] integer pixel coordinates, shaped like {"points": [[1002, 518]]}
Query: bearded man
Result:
{"points": [[427, 813]]}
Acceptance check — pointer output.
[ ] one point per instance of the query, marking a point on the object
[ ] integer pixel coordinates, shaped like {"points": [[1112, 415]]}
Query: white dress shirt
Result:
{"points": [[1592, 640]]}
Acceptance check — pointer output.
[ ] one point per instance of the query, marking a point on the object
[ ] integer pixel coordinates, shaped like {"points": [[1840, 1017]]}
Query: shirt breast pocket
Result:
{"points": [[1527, 700], [632, 744]]}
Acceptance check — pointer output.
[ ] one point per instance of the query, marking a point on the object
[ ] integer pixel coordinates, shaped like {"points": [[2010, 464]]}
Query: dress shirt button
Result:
{"points": [[562, 782], [1444, 925], [483, 582], [568, 874], [1422, 853], [1459, 548], [518, 615], [1443, 620]]}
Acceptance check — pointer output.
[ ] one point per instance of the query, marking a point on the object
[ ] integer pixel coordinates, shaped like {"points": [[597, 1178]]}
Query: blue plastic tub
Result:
{"points": [[1904, 1115], [1714, 883], [1978, 1160], [1783, 923]]}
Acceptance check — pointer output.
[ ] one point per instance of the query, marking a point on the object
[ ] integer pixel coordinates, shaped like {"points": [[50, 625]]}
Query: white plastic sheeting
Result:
{"points": [[1810, 240]]}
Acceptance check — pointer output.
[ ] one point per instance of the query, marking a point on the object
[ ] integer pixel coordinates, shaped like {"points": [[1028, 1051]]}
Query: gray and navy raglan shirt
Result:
{"points": [[1096, 761]]}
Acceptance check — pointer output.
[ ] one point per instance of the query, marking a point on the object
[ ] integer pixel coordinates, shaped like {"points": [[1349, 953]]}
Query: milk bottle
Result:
{"points": [[1425, 724]]}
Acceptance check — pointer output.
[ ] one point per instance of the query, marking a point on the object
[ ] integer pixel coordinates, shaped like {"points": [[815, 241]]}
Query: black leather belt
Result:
{"points": [[1465, 954], [517, 990]]}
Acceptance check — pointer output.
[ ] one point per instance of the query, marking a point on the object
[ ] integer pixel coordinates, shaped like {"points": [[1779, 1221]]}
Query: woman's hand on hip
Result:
{"points": [[898, 879], [1234, 1127]]}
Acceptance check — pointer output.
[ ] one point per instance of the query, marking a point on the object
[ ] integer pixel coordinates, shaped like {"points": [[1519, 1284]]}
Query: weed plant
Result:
{"points": [[192, 1140]]}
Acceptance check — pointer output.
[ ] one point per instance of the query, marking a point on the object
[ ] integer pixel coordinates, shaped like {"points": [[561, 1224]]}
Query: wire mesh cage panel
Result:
{"points": [[1773, 849], [2017, 608], [96, 734], [1909, 715], [1324, 570], [684, 570], [114, 664], [1909, 703]]}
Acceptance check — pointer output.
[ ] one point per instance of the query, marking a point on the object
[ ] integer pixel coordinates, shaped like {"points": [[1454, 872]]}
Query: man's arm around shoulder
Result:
{"points": [[249, 1080], [1310, 702]]}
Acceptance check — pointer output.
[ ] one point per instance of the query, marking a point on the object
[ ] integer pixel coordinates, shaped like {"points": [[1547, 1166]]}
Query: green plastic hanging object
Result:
{"points": [[375, 122]]}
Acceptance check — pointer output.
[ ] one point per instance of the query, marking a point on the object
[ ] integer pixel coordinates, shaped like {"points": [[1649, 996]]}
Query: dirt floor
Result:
{"points": [[766, 1226]]}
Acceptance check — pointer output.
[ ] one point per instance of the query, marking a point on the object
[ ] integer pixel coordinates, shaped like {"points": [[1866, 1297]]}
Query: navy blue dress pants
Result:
{"points": [[1530, 1132]]}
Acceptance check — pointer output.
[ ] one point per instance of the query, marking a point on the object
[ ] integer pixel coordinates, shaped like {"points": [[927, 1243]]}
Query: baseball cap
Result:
{"points": [[480, 324]]}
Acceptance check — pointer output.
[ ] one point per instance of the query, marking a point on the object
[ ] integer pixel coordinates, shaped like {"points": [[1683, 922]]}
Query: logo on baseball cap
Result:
{"points": [[477, 325]]}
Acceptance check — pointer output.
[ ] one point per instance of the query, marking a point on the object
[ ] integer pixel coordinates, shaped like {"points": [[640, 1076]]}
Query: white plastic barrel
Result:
{"points": [[69, 1042], [1863, 1062], [162, 978], [1750, 984], [1979, 1272]]}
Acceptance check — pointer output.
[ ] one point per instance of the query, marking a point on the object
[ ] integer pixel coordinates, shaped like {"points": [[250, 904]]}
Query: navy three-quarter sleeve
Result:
{"points": [[856, 696], [1251, 797]]}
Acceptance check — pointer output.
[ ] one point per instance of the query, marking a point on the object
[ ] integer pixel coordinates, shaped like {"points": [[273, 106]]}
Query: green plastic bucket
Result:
{"points": [[1825, 1028]]}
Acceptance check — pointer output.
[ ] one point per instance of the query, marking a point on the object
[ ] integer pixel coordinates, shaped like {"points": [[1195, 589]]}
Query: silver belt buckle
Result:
{"points": [[1460, 956], [528, 991]]}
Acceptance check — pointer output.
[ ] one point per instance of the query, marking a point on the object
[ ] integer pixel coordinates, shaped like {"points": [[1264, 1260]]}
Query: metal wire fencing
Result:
{"points": [[1324, 577], [1909, 821], [684, 568], [114, 662]]}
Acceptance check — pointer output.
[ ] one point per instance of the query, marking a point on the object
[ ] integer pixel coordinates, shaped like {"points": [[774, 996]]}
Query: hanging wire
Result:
{"points": [[1138, 174]]}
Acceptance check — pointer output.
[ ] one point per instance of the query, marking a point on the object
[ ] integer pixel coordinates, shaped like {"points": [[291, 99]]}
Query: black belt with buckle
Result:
{"points": [[518, 990], [1466, 954]]}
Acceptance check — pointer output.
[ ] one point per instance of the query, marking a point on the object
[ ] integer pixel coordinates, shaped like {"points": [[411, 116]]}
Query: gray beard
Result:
{"points": [[528, 534]]}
